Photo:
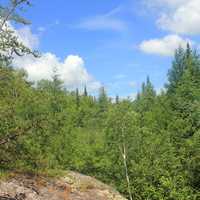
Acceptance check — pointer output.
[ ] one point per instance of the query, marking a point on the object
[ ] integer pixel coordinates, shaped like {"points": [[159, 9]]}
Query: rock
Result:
{"points": [[73, 186]]}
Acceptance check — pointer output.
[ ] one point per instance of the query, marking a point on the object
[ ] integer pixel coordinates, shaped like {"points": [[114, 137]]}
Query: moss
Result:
{"points": [[52, 173], [86, 185], [5, 174]]}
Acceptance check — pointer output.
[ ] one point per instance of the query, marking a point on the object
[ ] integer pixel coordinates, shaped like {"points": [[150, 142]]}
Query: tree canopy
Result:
{"points": [[149, 148]]}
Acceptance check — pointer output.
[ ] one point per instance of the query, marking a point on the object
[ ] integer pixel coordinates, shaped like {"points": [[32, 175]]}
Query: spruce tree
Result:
{"points": [[103, 99], [176, 72], [85, 93], [117, 99], [77, 98], [146, 97]]}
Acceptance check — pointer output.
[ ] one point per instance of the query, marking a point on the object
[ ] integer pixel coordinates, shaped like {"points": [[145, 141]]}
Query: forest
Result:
{"points": [[148, 148]]}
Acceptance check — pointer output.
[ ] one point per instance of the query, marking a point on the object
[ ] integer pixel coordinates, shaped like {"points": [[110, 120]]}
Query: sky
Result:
{"points": [[110, 43]]}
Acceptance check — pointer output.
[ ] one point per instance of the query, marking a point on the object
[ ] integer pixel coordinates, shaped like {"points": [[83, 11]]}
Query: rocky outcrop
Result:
{"points": [[72, 186]]}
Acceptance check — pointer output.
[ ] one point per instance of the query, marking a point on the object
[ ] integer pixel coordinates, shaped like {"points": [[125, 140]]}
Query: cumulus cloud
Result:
{"points": [[24, 35], [185, 19], [178, 16], [27, 37], [71, 71], [160, 3], [163, 46]]}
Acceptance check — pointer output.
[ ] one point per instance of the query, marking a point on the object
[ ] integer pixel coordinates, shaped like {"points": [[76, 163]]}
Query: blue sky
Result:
{"points": [[119, 42]]}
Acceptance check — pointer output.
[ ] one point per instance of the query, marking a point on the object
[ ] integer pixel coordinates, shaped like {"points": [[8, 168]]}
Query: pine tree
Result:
{"points": [[146, 98], [186, 99], [103, 99], [77, 98], [181, 61], [85, 93], [117, 99], [188, 51], [176, 72]]}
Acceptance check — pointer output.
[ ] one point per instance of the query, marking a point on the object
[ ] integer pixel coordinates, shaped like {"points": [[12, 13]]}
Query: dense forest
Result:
{"points": [[148, 148]]}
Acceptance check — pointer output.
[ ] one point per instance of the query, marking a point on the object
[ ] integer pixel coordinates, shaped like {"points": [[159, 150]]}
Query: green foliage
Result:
{"points": [[44, 128], [149, 147], [176, 72], [10, 44], [145, 99]]}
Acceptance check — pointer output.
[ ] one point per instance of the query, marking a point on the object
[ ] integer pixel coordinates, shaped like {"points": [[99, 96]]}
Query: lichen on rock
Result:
{"points": [[72, 186]]}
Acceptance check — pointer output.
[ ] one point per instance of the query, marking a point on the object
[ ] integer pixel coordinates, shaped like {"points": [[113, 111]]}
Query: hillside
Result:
{"points": [[130, 125], [73, 186]]}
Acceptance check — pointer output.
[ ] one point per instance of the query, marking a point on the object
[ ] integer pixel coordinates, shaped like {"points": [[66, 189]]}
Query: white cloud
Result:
{"points": [[101, 23], [163, 46], [71, 71], [27, 37], [24, 35], [164, 3], [107, 21], [178, 16], [185, 19]]}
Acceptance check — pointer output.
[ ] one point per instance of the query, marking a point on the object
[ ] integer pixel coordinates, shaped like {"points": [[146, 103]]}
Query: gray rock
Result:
{"points": [[73, 186]]}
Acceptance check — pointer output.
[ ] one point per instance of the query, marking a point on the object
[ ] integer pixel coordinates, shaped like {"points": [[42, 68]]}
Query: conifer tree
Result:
{"points": [[103, 99], [77, 98], [179, 65], [85, 93], [146, 97], [176, 72], [117, 99]]}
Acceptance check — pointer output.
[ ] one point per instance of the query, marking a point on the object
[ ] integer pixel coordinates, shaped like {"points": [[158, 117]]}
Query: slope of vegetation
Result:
{"points": [[148, 148]]}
